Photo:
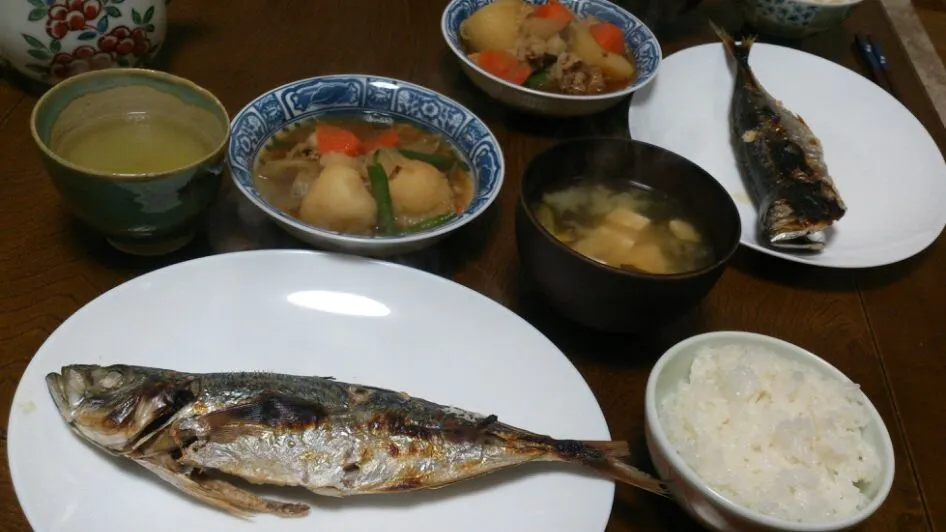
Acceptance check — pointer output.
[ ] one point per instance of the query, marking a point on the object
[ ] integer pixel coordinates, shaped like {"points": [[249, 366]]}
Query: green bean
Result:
{"points": [[430, 223], [382, 196], [537, 79]]}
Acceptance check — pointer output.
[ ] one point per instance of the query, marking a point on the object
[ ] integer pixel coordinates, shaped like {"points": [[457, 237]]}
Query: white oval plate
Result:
{"points": [[886, 166], [310, 313]]}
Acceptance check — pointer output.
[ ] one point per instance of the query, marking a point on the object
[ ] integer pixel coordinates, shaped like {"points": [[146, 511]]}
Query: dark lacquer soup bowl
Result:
{"points": [[610, 295]]}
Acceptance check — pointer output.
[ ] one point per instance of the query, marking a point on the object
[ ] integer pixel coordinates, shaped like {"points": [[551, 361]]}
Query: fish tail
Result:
{"points": [[610, 459], [739, 51]]}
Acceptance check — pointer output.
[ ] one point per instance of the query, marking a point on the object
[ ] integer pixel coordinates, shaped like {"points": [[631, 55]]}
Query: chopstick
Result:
{"points": [[874, 56], [884, 64]]}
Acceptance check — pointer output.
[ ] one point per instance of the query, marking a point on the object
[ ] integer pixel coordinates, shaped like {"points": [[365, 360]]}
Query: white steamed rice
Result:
{"points": [[772, 434]]}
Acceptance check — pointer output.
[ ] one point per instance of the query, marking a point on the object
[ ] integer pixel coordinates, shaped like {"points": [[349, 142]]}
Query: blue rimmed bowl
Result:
{"points": [[273, 111], [794, 19], [639, 38]]}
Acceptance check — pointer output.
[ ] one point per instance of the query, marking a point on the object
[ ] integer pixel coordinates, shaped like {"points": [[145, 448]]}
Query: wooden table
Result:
{"points": [[883, 327]]}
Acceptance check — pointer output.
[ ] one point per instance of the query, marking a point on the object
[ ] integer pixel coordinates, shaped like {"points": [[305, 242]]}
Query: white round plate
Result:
{"points": [[310, 313], [886, 166]]}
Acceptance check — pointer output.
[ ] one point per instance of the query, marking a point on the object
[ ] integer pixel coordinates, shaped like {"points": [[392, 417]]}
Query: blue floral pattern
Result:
{"points": [[431, 109], [290, 104], [790, 18], [790, 12], [253, 130], [379, 97], [639, 38], [472, 132], [483, 156], [270, 108], [312, 95]]}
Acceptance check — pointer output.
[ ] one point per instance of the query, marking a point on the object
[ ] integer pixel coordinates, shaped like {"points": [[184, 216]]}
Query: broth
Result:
{"points": [[364, 174], [635, 228], [137, 143]]}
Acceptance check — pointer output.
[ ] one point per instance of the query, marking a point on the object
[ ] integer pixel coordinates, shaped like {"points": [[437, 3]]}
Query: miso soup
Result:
{"points": [[633, 228], [364, 174]]}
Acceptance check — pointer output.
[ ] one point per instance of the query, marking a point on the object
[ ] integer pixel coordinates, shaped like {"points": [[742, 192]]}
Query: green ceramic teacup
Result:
{"points": [[157, 209]]}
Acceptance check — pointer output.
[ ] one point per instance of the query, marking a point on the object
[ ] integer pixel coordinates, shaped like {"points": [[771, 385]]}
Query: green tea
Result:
{"points": [[134, 144]]}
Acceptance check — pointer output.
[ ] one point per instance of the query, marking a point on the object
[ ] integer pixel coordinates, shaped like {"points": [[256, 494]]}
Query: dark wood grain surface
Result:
{"points": [[884, 327], [932, 14]]}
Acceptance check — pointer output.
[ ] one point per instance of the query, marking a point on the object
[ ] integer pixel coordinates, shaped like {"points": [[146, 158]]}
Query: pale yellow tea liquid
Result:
{"points": [[135, 144]]}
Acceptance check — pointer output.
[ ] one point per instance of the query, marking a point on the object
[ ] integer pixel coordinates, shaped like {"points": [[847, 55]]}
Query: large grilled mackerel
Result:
{"points": [[781, 160], [330, 437]]}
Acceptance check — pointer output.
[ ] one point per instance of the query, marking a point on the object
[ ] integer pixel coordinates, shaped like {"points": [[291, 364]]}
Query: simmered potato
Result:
{"points": [[338, 158], [540, 28], [493, 27], [418, 191], [339, 201], [588, 50]]}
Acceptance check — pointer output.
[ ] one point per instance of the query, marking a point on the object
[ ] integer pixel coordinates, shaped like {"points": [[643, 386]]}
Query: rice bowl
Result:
{"points": [[747, 486]]}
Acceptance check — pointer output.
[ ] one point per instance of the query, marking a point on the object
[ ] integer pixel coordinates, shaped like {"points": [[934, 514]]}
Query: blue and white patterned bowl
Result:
{"points": [[795, 19], [639, 38], [272, 111]]}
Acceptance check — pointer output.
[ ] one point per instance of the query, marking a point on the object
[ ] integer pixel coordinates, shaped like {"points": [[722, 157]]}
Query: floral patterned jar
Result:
{"points": [[50, 40]]}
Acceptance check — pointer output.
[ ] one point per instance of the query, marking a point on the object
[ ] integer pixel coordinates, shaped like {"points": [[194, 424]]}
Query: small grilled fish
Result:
{"points": [[782, 161], [331, 437]]}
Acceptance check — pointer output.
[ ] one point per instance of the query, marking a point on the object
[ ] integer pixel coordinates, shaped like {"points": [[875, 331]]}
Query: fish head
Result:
{"points": [[113, 406]]}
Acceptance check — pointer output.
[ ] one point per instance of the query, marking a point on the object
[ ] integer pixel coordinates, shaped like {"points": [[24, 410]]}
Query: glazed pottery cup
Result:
{"points": [[141, 214]]}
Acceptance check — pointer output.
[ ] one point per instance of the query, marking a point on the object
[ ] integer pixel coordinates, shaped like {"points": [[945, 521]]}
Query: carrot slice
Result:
{"points": [[553, 10], [608, 36], [503, 65], [518, 74], [329, 139], [387, 139]]}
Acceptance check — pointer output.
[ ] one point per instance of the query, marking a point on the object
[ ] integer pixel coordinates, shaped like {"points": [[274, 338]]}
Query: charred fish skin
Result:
{"points": [[782, 160], [339, 439], [333, 438]]}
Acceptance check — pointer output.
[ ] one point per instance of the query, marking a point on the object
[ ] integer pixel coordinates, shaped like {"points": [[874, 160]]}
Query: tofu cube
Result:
{"points": [[648, 258], [684, 231], [606, 244], [623, 218]]}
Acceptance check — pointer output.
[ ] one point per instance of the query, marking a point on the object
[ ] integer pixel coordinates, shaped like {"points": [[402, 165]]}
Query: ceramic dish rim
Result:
{"points": [[139, 73], [281, 217], [669, 277], [654, 423], [430, 277], [444, 30], [924, 238]]}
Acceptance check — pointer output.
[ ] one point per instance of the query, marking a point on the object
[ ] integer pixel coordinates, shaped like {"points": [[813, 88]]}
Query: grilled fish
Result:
{"points": [[331, 437], [782, 161]]}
